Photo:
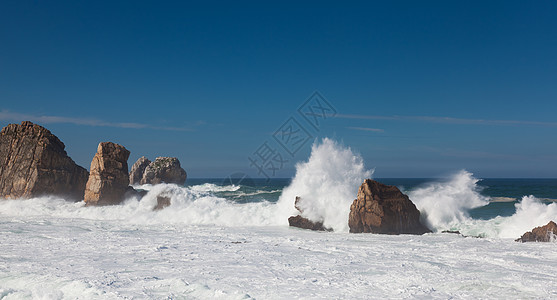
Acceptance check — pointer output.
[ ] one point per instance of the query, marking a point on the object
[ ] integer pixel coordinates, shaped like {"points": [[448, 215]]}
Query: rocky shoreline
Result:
{"points": [[33, 163]]}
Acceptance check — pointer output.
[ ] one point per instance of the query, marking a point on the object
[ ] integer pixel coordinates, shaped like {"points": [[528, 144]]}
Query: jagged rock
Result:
{"points": [[304, 223], [109, 180], [545, 233], [138, 169], [384, 209], [164, 169], [33, 163]]}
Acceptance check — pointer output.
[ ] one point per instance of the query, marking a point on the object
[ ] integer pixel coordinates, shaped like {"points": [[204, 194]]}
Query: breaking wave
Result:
{"points": [[327, 184], [446, 203]]}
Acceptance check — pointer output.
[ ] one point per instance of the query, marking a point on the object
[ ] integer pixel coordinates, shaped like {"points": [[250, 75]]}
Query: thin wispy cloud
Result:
{"points": [[367, 129], [448, 120], [44, 119]]}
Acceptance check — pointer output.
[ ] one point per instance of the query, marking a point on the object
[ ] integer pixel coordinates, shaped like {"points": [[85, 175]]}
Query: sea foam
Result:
{"points": [[327, 183], [448, 202], [530, 213]]}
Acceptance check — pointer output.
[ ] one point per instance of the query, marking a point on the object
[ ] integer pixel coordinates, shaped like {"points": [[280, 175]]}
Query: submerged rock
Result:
{"points": [[33, 163], [547, 233], [133, 193], [109, 180], [162, 202], [451, 232], [138, 169], [304, 223], [381, 208], [164, 169]]}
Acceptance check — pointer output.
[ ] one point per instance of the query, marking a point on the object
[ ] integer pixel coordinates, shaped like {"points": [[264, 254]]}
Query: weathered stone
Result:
{"points": [[33, 163], [384, 209], [302, 222], [164, 169], [138, 169], [109, 180], [547, 233]]}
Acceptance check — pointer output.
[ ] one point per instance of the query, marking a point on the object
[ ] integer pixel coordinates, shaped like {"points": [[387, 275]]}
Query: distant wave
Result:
{"points": [[503, 199]]}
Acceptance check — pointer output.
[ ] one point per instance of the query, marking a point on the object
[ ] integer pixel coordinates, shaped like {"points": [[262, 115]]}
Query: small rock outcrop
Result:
{"points": [[109, 180], [33, 163], [547, 233], [162, 202], [138, 168], [164, 169], [384, 209], [304, 223]]}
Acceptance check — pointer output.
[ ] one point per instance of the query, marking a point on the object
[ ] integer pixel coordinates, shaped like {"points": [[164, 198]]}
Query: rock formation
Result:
{"points": [[164, 169], [138, 168], [304, 223], [109, 180], [384, 209], [33, 163], [545, 233]]}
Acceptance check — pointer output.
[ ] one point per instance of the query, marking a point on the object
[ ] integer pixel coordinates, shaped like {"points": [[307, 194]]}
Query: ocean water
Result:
{"points": [[229, 239]]}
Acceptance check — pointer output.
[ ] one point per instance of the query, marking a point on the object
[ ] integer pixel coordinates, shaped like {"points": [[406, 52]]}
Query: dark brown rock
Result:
{"points": [[164, 169], [138, 169], [545, 233], [133, 193], [109, 180], [162, 202], [384, 209], [33, 163], [302, 222]]}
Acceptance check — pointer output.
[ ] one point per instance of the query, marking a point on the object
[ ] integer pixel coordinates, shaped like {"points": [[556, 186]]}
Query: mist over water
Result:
{"points": [[446, 203]]}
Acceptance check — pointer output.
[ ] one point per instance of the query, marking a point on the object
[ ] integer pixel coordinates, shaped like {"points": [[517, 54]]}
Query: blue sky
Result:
{"points": [[420, 88]]}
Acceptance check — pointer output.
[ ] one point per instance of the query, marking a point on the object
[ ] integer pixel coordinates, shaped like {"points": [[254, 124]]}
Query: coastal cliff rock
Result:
{"points": [[545, 233], [381, 208], [164, 169], [33, 163], [109, 180], [138, 169], [304, 223]]}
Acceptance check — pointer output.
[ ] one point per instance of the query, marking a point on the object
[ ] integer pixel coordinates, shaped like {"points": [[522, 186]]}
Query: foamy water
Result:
{"points": [[206, 245]]}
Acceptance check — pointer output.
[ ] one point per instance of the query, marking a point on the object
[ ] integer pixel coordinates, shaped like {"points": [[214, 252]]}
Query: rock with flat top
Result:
{"points": [[381, 208], [33, 163], [109, 180]]}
